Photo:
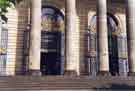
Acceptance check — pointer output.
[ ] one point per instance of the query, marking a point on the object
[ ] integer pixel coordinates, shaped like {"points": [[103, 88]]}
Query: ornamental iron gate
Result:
{"points": [[3, 50], [52, 53], [91, 58], [117, 48]]}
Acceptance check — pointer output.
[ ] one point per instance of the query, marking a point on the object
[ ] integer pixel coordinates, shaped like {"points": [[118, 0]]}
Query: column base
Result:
{"points": [[70, 73], [35, 73], [104, 73], [131, 73]]}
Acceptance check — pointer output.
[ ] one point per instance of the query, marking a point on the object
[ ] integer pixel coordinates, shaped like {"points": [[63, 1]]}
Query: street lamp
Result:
{"points": [[28, 27]]}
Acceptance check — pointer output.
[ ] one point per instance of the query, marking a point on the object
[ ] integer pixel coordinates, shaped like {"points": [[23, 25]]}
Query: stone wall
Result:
{"points": [[18, 19]]}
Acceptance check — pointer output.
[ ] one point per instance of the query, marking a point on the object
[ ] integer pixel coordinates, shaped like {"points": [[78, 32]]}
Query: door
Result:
{"points": [[52, 41], [50, 63], [51, 58]]}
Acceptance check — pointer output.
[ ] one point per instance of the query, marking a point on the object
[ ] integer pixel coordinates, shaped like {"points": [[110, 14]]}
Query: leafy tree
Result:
{"points": [[4, 4]]}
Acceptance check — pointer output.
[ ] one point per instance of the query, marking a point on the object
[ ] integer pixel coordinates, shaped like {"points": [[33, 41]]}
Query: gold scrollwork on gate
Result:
{"points": [[49, 24], [3, 50], [117, 31], [92, 28]]}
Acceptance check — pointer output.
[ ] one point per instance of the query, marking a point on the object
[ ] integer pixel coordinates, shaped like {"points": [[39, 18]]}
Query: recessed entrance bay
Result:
{"points": [[52, 40]]}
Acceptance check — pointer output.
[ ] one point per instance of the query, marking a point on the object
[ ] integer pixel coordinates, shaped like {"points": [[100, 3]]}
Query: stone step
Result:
{"points": [[27, 83]]}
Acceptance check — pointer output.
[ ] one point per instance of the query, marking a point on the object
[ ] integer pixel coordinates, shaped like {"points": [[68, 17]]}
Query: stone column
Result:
{"points": [[130, 12], [72, 56], [35, 38], [102, 37]]}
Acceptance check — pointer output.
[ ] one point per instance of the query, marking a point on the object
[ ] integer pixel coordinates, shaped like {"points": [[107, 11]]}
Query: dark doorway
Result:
{"points": [[51, 53], [52, 41], [113, 44], [113, 55], [50, 63]]}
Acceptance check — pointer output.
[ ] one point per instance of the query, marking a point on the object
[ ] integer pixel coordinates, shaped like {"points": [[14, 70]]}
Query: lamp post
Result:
{"points": [[25, 63]]}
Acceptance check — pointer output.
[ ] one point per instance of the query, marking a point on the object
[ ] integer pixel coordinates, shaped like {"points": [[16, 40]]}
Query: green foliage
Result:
{"points": [[4, 4]]}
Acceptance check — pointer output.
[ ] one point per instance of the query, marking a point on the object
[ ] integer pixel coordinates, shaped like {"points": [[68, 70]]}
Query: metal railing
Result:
{"points": [[118, 61], [3, 50]]}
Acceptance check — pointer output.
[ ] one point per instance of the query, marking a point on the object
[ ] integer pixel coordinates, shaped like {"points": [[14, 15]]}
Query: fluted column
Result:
{"points": [[72, 45], [130, 12], [35, 38], [102, 37]]}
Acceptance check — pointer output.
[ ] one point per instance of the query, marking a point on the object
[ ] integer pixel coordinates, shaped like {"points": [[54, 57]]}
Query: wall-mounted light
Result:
{"points": [[28, 27]]}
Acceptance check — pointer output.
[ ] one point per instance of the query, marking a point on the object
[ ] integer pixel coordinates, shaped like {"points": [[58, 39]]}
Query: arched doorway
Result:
{"points": [[3, 45], [114, 42], [91, 42], [52, 41]]}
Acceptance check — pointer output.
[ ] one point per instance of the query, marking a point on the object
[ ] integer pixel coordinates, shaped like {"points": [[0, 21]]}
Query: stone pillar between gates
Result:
{"points": [[102, 37], [35, 38], [130, 12], [72, 39]]}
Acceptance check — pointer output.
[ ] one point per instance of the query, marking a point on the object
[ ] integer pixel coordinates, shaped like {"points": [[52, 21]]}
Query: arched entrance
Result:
{"points": [[3, 45], [52, 41], [116, 47], [113, 44]]}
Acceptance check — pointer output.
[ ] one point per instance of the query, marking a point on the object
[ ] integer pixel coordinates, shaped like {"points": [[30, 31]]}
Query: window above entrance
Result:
{"points": [[52, 19]]}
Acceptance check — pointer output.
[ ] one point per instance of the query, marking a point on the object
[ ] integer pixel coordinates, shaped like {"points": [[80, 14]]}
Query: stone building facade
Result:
{"points": [[69, 37]]}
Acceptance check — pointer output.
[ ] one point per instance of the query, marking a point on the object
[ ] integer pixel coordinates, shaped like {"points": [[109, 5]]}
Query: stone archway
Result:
{"points": [[116, 64], [3, 45], [52, 41]]}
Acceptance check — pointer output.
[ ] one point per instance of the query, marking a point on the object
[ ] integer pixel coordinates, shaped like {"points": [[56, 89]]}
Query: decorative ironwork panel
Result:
{"points": [[117, 45], [3, 50], [50, 41], [91, 58], [52, 48]]}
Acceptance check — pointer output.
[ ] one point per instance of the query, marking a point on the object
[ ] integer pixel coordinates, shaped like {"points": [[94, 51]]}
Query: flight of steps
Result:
{"points": [[66, 83]]}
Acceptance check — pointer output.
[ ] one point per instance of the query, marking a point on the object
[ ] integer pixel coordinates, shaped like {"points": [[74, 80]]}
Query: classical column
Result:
{"points": [[72, 56], [102, 37], [130, 12], [35, 38]]}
